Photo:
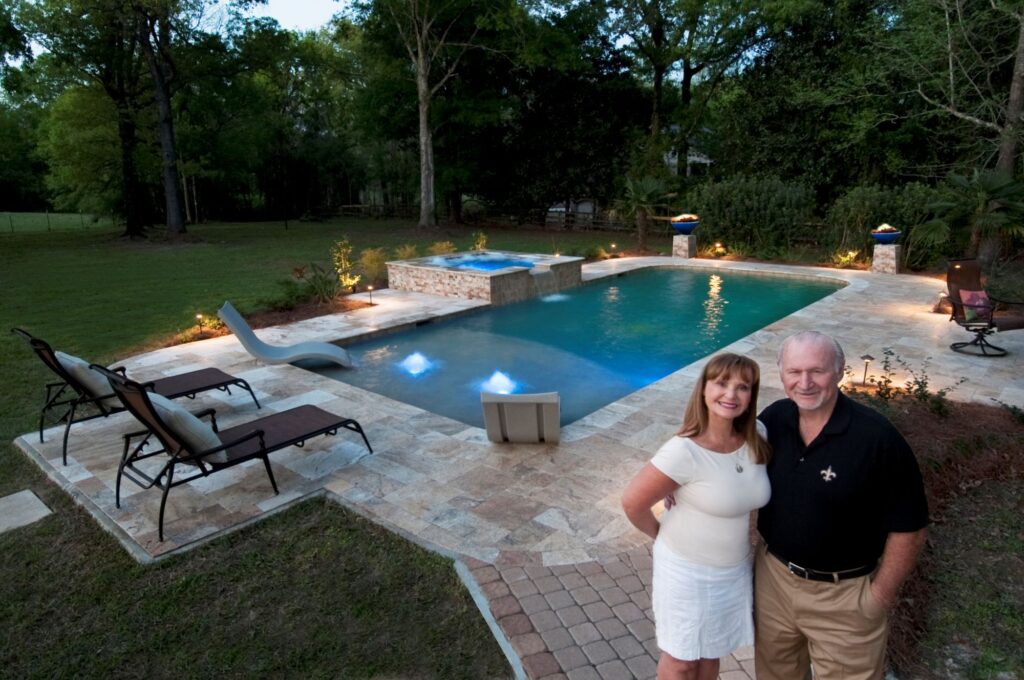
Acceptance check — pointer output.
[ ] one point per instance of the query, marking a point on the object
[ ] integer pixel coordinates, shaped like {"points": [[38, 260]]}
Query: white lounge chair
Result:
{"points": [[323, 351], [522, 418]]}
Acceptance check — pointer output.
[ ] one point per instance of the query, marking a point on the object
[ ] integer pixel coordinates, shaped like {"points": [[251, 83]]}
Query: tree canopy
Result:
{"points": [[415, 106]]}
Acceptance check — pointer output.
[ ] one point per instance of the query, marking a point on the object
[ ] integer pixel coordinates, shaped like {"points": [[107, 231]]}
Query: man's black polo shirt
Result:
{"points": [[834, 502]]}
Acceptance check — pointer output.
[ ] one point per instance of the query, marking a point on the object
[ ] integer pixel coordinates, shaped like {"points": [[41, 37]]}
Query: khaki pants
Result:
{"points": [[839, 628]]}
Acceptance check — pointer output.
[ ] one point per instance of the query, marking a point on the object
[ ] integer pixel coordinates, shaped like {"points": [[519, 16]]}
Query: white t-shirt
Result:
{"points": [[710, 522]]}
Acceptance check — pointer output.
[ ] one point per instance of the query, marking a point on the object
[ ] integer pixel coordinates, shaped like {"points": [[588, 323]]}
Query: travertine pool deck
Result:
{"points": [[536, 530]]}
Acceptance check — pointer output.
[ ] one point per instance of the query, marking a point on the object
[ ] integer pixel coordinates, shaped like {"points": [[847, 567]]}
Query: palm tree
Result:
{"points": [[988, 205], [643, 196]]}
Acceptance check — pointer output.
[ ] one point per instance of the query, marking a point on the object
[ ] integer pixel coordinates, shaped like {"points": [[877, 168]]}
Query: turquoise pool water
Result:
{"points": [[593, 344]]}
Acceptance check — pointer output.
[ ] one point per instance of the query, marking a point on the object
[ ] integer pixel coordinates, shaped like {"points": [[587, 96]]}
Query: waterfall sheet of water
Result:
{"points": [[545, 282]]}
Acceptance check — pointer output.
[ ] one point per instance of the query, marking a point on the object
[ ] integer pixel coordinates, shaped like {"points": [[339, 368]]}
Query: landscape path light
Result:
{"points": [[867, 359]]}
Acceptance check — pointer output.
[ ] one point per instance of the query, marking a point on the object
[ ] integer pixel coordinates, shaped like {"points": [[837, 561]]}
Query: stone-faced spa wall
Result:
{"points": [[499, 287]]}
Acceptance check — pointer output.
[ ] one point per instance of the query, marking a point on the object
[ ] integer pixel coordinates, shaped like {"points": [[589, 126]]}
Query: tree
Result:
{"points": [[96, 41], [435, 37], [155, 27], [654, 33], [968, 61], [642, 197]]}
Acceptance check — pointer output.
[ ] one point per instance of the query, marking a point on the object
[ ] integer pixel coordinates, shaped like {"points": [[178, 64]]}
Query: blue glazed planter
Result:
{"points": [[685, 228], [886, 236]]}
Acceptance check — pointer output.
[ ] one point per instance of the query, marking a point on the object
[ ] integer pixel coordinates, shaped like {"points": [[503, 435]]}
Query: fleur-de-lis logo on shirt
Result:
{"points": [[827, 474]]}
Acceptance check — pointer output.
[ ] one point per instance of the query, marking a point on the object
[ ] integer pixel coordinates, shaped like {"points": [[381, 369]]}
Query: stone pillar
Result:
{"points": [[684, 245], [886, 259]]}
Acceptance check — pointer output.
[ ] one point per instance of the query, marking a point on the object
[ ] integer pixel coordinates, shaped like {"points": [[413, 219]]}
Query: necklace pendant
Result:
{"points": [[739, 468]]}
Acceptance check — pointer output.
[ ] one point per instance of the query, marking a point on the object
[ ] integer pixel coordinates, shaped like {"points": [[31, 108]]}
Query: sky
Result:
{"points": [[300, 15]]}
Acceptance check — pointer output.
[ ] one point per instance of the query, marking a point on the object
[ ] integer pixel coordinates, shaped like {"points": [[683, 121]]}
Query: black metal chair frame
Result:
{"points": [[135, 398], [57, 393], [986, 324]]}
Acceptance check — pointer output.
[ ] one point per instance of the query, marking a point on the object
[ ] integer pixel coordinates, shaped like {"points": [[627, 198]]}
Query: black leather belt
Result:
{"points": [[828, 576]]}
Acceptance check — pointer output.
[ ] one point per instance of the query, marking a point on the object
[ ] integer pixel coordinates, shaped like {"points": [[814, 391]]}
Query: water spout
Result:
{"points": [[499, 383], [416, 364]]}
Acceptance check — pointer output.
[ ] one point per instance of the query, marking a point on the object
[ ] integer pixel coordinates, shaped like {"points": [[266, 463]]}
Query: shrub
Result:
{"points": [[373, 263], [845, 260], [442, 248], [321, 284], [341, 256], [759, 213], [406, 252], [863, 208], [479, 240]]}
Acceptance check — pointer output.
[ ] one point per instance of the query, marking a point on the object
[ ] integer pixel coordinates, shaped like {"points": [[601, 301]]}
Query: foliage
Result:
{"points": [[845, 260], [761, 213], [442, 248], [322, 284], [341, 257], [988, 203], [917, 385], [642, 197], [407, 251], [479, 241], [373, 263], [862, 208]]}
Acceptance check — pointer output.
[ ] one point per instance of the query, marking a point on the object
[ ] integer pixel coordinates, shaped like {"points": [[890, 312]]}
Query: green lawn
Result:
{"points": [[15, 223], [314, 591]]}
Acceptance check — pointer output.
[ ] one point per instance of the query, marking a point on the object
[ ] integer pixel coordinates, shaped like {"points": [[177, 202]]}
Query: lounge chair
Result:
{"points": [[204, 449], [975, 309], [522, 418], [270, 354], [79, 387]]}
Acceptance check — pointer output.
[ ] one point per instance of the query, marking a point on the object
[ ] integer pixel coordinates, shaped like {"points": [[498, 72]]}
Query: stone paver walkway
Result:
{"points": [[536, 530], [20, 509]]}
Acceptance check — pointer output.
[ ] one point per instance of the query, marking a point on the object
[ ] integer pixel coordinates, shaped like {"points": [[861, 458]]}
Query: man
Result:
{"points": [[843, 529]]}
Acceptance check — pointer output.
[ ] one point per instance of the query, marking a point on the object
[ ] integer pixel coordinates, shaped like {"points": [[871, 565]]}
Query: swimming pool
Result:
{"points": [[593, 344]]}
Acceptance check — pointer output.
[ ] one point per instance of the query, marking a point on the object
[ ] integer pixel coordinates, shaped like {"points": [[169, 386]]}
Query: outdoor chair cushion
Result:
{"points": [[90, 379], [195, 432], [976, 305]]}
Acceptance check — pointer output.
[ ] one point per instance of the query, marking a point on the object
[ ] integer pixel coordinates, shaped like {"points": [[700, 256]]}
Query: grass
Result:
{"points": [[314, 591], [11, 223], [976, 618]]}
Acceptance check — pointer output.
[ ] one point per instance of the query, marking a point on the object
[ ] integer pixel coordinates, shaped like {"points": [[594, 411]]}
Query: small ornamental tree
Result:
{"points": [[341, 256]]}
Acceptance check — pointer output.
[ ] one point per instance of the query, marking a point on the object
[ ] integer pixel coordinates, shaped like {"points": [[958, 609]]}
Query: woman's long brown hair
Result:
{"points": [[695, 421]]}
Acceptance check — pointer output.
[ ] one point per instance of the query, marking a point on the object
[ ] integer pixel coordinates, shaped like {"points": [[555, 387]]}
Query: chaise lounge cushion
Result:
{"points": [[90, 379], [193, 431]]}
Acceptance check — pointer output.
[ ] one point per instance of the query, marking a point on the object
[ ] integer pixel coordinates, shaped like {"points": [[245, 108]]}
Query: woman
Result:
{"points": [[715, 469]]}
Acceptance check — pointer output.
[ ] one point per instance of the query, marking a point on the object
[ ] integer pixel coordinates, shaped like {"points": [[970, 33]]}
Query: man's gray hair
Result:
{"points": [[815, 337]]}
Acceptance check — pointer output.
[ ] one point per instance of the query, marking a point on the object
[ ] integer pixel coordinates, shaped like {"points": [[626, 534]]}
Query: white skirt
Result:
{"points": [[700, 611]]}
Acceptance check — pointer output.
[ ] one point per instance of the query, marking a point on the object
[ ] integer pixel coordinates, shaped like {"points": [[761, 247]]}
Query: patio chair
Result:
{"points": [[79, 387], [522, 418], [203, 449], [271, 354], [975, 309]]}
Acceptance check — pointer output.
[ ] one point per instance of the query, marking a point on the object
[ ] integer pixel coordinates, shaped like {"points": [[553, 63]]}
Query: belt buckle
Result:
{"points": [[797, 570]]}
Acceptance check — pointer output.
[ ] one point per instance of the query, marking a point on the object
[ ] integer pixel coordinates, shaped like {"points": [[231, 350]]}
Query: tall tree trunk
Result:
{"points": [[133, 222], [659, 86], [158, 68], [641, 229], [427, 220], [685, 100], [1009, 143]]}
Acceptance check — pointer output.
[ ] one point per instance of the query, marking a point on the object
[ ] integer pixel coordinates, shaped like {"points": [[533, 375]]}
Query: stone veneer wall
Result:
{"points": [[498, 289], [568, 274], [886, 259]]}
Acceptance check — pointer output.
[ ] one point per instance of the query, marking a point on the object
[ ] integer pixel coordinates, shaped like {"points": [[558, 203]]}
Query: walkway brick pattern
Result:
{"points": [[586, 621]]}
